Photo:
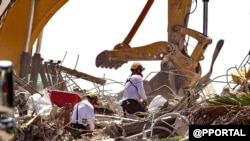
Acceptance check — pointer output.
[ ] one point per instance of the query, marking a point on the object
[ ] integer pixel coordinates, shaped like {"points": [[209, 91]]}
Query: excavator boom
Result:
{"points": [[21, 24]]}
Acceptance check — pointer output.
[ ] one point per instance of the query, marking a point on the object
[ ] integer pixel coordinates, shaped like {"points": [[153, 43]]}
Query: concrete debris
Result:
{"points": [[41, 117]]}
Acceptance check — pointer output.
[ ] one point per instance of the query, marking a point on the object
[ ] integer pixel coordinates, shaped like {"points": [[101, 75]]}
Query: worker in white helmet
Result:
{"points": [[83, 116], [134, 100]]}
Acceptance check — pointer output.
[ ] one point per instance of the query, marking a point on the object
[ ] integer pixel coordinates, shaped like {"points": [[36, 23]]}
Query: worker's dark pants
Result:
{"points": [[132, 106]]}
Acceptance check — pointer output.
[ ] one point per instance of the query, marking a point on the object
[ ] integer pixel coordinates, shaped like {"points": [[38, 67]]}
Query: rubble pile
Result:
{"points": [[52, 123], [41, 118], [223, 115]]}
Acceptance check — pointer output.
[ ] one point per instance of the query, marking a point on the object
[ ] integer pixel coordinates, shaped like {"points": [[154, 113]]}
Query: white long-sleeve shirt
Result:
{"points": [[135, 91], [86, 115]]}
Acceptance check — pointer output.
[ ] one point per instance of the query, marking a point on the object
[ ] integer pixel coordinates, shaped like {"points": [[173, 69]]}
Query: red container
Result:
{"points": [[61, 98]]}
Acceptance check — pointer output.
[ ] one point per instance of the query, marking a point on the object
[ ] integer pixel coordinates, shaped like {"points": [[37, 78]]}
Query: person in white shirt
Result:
{"points": [[134, 98], [83, 116]]}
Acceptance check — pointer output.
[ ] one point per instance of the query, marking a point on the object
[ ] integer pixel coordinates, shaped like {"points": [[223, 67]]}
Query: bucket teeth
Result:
{"points": [[104, 60]]}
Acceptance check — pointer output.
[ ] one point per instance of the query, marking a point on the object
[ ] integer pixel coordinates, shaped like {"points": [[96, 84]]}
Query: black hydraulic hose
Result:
{"points": [[205, 16]]}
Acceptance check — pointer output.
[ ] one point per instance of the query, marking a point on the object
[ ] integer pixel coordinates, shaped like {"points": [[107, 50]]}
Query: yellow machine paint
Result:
{"points": [[15, 36]]}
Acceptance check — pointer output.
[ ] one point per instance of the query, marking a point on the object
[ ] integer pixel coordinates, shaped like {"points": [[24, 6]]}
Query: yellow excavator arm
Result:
{"points": [[180, 70], [21, 24], [174, 49]]}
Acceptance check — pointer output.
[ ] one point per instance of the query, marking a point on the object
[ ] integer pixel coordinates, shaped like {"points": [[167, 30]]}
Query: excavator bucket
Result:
{"points": [[179, 70]]}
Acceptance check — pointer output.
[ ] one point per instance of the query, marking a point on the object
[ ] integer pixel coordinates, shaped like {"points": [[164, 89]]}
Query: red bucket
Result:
{"points": [[61, 98]]}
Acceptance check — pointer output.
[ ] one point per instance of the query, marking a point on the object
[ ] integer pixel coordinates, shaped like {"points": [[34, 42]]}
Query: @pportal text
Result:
{"points": [[198, 133]]}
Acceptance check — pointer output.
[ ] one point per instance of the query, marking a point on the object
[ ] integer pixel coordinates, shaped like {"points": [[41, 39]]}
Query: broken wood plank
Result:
{"points": [[81, 75]]}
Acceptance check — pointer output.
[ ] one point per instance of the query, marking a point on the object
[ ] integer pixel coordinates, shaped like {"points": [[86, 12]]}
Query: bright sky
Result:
{"points": [[88, 27]]}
